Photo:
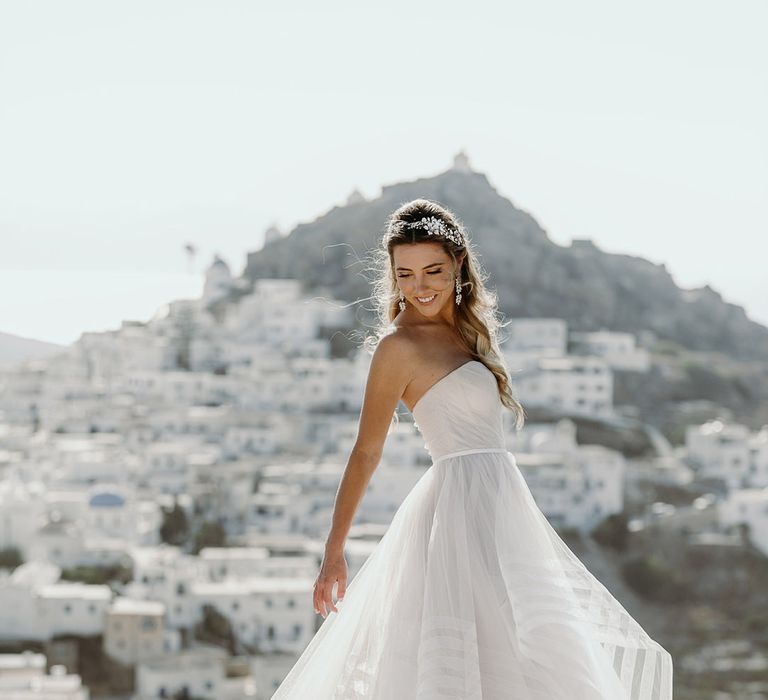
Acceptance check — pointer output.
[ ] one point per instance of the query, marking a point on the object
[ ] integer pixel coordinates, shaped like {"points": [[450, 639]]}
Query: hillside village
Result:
{"points": [[165, 488]]}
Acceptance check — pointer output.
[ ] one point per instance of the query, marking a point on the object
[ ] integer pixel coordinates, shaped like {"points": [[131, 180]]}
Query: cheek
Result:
{"points": [[442, 280]]}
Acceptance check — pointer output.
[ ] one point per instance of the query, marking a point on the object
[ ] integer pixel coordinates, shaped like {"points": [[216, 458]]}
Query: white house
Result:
{"points": [[576, 385], [23, 677], [529, 339], [220, 563], [618, 349], [133, 630], [748, 507], [111, 513], [269, 613], [200, 672], [74, 608], [729, 451], [278, 511], [578, 488], [165, 574], [58, 541], [22, 512]]}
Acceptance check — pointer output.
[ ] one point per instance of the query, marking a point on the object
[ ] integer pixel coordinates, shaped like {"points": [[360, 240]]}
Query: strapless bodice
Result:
{"points": [[461, 411]]}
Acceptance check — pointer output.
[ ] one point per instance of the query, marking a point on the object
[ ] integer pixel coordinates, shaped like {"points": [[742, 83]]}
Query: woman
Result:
{"points": [[470, 594]]}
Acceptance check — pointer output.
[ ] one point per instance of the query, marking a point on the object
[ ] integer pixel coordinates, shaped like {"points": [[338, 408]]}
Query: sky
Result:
{"points": [[128, 129]]}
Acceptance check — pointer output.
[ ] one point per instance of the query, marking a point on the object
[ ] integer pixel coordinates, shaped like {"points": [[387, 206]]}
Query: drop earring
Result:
{"points": [[458, 289], [402, 301]]}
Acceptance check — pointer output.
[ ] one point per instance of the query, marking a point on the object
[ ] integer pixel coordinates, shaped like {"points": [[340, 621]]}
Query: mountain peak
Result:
{"points": [[533, 276]]}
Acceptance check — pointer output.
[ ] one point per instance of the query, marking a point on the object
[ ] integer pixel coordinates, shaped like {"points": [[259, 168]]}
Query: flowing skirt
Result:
{"points": [[472, 595]]}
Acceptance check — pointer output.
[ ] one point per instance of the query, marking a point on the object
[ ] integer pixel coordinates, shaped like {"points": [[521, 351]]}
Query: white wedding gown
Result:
{"points": [[471, 594]]}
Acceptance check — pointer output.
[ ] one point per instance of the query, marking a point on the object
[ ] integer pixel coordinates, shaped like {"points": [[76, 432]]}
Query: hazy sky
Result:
{"points": [[130, 128]]}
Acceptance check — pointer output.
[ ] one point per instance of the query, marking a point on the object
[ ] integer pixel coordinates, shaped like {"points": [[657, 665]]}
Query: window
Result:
{"points": [[148, 623], [271, 632]]}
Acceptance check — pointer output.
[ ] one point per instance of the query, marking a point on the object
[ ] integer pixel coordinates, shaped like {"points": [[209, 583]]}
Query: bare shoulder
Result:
{"points": [[388, 376], [393, 356]]}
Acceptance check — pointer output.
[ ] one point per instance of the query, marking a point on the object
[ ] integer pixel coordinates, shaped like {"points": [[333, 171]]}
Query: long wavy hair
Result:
{"points": [[477, 317]]}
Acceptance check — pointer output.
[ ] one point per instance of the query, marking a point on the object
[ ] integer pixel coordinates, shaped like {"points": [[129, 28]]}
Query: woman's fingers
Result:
{"points": [[328, 599], [317, 596], [322, 597]]}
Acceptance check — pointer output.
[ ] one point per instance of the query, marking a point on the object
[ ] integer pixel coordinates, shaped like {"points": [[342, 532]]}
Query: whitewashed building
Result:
{"points": [[618, 349], [74, 608], [729, 451], [529, 339], [134, 630], [277, 510], [23, 677], [199, 672], [22, 512], [268, 613], [221, 563], [578, 488], [575, 385], [34, 606], [747, 507], [165, 574]]}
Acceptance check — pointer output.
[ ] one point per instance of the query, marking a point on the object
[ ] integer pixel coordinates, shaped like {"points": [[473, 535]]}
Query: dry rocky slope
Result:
{"points": [[534, 276]]}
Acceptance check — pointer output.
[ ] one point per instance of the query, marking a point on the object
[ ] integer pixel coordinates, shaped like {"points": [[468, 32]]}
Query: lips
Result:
{"points": [[426, 303]]}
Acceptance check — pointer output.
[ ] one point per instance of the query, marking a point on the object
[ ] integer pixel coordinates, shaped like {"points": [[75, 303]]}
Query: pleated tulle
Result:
{"points": [[471, 594]]}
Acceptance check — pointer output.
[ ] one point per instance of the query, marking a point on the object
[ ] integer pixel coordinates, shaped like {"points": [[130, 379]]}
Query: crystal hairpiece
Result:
{"points": [[437, 227]]}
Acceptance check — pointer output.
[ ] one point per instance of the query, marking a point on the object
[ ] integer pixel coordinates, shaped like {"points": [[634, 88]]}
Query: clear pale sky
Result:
{"points": [[130, 128]]}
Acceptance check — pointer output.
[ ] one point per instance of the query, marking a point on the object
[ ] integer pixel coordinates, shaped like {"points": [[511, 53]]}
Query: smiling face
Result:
{"points": [[425, 274]]}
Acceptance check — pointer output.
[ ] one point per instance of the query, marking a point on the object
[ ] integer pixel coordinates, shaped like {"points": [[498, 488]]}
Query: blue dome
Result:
{"points": [[106, 499]]}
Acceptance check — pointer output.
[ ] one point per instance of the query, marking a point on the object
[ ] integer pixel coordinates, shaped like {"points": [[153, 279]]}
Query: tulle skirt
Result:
{"points": [[472, 595]]}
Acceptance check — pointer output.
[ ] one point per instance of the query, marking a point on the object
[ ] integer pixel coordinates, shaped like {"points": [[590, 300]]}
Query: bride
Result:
{"points": [[470, 594]]}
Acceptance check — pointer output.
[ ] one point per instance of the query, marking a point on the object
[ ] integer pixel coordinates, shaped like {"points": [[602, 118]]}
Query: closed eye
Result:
{"points": [[436, 272]]}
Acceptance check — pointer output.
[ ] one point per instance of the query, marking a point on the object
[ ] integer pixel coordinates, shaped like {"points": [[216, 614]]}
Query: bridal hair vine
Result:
{"points": [[437, 227]]}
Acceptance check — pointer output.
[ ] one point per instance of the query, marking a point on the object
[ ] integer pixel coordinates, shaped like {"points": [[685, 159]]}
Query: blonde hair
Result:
{"points": [[477, 317]]}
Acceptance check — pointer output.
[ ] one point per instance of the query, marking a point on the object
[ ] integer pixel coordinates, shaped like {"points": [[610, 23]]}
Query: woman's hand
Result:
{"points": [[332, 570]]}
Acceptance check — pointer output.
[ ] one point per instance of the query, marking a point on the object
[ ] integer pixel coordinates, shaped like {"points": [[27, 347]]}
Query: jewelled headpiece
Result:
{"points": [[437, 227]]}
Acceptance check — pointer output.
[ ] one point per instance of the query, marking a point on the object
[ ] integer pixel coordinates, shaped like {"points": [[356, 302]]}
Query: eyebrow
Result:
{"points": [[423, 268]]}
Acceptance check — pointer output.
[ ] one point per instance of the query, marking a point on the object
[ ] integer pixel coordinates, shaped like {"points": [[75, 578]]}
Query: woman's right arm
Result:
{"points": [[388, 376]]}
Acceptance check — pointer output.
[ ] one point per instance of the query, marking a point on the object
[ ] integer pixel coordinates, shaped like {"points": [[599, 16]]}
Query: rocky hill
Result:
{"points": [[590, 288]]}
